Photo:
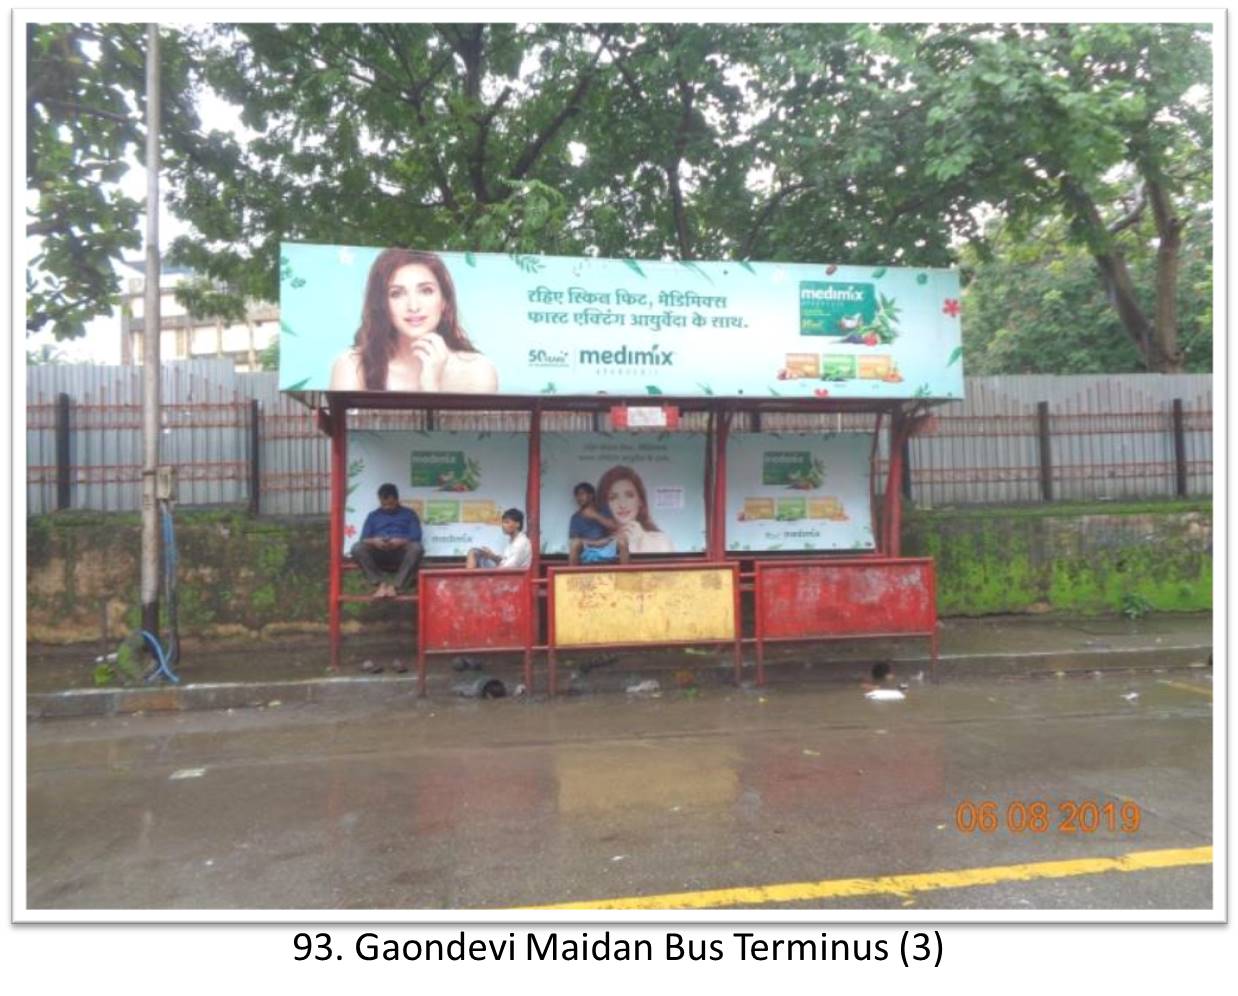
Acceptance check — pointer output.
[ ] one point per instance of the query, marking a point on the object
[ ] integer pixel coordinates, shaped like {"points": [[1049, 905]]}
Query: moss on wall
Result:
{"points": [[267, 576], [1089, 559]]}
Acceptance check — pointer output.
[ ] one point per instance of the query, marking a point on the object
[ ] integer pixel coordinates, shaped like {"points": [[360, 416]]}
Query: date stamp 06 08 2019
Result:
{"points": [[1038, 816]]}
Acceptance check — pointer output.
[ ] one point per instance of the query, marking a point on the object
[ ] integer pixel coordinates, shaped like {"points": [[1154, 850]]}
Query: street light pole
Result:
{"points": [[150, 347]]}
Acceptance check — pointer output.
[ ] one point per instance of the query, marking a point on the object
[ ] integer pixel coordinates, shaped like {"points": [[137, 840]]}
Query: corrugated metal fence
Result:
{"points": [[235, 440]]}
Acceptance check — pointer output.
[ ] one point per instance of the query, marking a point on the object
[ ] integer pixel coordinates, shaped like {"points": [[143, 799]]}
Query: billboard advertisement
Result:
{"points": [[798, 491], [652, 483], [458, 483], [370, 319]]}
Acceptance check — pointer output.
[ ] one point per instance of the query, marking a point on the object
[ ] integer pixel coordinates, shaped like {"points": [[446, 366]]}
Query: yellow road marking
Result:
{"points": [[1185, 687], [897, 885]]}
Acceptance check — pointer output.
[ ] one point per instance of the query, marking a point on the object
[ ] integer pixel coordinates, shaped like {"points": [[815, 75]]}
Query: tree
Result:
{"points": [[45, 355], [85, 104], [678, 141], [827, 142], [80, 128], [1104, 124], [1035, 305], [382, 134]]}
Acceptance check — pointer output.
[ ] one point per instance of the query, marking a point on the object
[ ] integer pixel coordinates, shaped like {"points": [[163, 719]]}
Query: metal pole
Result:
{"points": [[255, 453], [1046, 452], [150, 345], [533, 490], [533, 529], [1179, 449], [907, 467], [339, 484], [892, 522], [709, 454], [63, 493], [717, 540]]}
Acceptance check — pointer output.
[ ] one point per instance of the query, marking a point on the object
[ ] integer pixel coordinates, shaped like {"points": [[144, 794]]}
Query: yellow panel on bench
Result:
{"points": [[635, 606]]}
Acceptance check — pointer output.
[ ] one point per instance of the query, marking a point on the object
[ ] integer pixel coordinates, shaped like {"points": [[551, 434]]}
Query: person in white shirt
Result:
{"points": [[519, 552]]}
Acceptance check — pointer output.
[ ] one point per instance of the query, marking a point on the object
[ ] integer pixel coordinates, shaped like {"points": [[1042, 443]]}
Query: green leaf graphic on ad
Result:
{"points": [[922, 279], [747, 266], [285, 328], [652, 389], [298, 385], [696, 269], [954, 357], [470, 259], [631, 264], [879, 273]]}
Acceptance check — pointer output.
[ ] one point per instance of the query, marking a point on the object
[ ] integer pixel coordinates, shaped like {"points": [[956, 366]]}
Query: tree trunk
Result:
{"points": [[683, 237], [1121, 291], [1169, 229], [1156, 340]]}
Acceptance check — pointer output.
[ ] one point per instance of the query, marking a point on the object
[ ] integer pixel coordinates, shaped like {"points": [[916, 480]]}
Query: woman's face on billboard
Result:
{"points": [[623, 500], [414, 300]]}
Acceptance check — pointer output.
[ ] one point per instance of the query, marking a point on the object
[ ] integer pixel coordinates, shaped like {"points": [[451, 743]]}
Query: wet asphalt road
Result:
{"points": [[453, 804]]}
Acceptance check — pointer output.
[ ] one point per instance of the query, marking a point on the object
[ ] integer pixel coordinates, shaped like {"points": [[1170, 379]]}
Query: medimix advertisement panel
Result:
{"points": [[372, 319], [798, 491], [458, 483], [651, 483]]}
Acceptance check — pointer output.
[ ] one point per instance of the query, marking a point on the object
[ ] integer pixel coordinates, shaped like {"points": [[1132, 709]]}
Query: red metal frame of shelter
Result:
{"points": [[552, 645], [478, 611], [844, 599], [903, 415]]}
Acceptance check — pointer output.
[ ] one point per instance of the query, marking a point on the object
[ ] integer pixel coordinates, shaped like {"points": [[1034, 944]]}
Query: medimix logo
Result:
{"points": [[654, 356], [832, 292], [835, 308]]}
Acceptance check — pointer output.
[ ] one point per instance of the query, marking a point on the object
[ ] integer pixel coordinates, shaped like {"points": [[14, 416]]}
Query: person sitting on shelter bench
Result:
{"points": [[519, 552], [390, 541], [593, 538]]}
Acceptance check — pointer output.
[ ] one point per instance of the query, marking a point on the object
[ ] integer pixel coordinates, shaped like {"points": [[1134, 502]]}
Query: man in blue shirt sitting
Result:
{"points": [[591, 536], [390, 541]]}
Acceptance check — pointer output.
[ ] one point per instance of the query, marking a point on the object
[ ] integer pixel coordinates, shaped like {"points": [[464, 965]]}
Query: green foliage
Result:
{"points": [[1135, 606], [125, 666], [1106, 127], [268, 359], [85, 103], [1073, 558], [45, 355], [1036, 305], [881, 144]]}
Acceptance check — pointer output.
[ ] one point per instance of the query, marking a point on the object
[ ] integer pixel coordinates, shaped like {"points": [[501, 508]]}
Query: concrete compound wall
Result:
{"points": [[243, 577], [1086, 558]]}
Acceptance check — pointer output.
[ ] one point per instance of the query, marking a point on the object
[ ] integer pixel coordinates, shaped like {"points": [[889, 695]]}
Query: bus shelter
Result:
{"points": [[799, 527]]}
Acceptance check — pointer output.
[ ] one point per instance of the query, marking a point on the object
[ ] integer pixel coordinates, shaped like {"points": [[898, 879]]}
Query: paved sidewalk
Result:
{"points": [[257, 673]]}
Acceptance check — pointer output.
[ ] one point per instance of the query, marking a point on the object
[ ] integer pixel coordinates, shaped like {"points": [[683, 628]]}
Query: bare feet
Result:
{"points": [[384, 590]]}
